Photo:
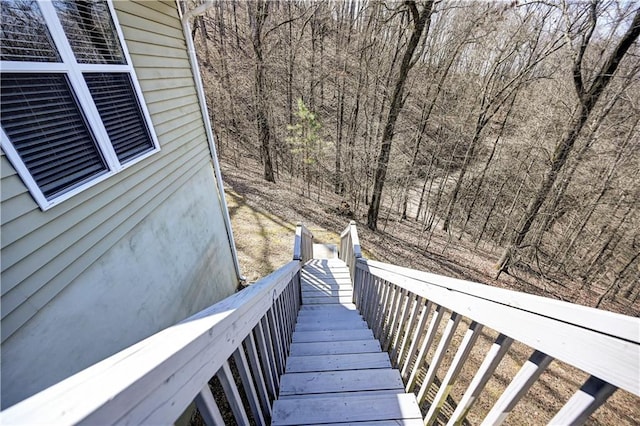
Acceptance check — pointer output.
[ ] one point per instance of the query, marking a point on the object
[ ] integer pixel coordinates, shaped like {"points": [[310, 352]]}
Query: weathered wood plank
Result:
{"points": [[325, 291], [326, 300], [353, 324], [344, 394], [588, 339], [399, 422], [334, 348], [334, 315], [344, 307], [325, 410], [303, 364], [528, 374], [331, 335], [340, 381]]}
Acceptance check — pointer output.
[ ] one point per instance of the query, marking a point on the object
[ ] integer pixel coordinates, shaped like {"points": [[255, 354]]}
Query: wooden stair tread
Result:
{"points": [[342, 410], [328, 324], [343, 307], [334, 348], [305, 364], [331, 335]]}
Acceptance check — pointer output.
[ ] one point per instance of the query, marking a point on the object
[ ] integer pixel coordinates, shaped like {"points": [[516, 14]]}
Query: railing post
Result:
{"points": [[303, 244]]}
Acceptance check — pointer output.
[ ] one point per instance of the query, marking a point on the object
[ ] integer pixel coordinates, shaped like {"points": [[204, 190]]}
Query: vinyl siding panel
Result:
{"points": [[42, 252]]}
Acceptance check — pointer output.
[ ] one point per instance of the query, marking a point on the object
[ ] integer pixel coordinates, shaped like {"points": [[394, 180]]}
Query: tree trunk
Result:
{"points": [[258, 17], [587, 101], [420, 20]]}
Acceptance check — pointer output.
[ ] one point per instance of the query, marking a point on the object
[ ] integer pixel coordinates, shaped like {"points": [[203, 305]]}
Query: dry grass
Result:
{"points": [[264, 217]]}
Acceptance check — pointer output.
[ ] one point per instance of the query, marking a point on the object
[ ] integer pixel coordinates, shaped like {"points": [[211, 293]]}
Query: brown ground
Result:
{"points": [[264, 216]]}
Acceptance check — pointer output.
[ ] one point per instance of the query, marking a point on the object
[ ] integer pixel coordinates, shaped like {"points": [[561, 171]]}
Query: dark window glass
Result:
{"points": [[24, 35], [90, 31]]}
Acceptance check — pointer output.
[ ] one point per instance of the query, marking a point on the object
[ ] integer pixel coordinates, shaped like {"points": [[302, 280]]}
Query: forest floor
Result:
{"points": [[263, 218]]}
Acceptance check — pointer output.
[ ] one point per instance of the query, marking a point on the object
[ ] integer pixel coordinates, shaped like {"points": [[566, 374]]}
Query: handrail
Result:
{"points": [[405, 307], [303, 244], [155, 380], [350, 247]]}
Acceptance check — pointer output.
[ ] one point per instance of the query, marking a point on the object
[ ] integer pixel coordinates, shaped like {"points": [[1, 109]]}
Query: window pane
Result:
{"points": [[42, 120], [24, 34], [90, 31], [117, 103]]}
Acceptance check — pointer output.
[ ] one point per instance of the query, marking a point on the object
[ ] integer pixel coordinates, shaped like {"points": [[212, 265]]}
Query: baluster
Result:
{"points": [[232, 394], [438, 355], [388, 318], [528, 374], [355, 299], [358, 279], [406, 306], [363, 291], [394, 319], [385, 308], [593, 393], [413, 318], [373, 289], [266, 347], [263, 394], [469, 339], [482, 376], [284, 322], [274, 338], [247, 384], [377, 306], [208, 408], [382, 310], [426, 344]]}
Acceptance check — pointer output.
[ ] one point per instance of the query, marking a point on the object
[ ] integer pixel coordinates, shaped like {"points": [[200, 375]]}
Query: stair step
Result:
{"points": [[360, 408], [340, 381], [305, 364], [354, 323], [343, 308], [331, 335], [334, 348], [324, 300], [327, 291]]}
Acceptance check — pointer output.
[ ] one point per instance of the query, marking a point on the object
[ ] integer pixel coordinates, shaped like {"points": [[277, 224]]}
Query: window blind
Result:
{"points": [[90, 31], [120, 112], [42, 119], [24, 34]]}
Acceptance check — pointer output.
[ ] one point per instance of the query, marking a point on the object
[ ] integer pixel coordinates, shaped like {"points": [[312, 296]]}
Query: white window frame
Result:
{"points": [[73, 70]]}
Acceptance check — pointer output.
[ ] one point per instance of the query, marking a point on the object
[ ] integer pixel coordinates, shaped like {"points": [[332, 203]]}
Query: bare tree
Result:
{"points": [[587, 99], [421, 20]]}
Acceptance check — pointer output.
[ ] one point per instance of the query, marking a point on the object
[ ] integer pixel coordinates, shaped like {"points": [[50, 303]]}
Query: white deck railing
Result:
{"points": [[303, 244], [405, 308], [155, 380]]}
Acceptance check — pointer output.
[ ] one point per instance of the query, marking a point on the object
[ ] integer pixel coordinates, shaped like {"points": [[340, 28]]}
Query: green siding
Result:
{"points": [[42, 252]]}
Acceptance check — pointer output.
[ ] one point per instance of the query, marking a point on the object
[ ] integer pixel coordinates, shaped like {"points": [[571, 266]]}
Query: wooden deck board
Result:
{"points": [[336, 372]]}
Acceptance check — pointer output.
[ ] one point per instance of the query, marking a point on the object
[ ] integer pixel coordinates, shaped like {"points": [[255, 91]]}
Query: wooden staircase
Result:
{"points": [[336, 371], [296, 348]]}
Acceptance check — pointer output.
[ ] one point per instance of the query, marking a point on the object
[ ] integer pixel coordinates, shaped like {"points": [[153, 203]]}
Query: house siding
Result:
{"points": [[53, 261]]}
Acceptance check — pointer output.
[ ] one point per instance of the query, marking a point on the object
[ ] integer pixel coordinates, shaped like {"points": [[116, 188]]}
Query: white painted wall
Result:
{"points": [[172, 264]]}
